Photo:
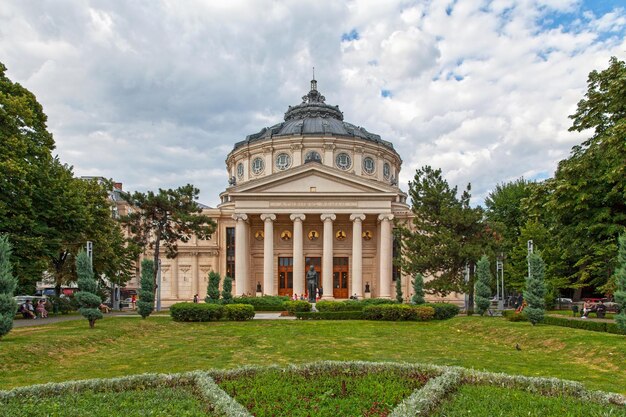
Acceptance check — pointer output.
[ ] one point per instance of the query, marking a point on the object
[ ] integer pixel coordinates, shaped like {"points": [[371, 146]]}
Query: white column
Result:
{"points": [[385, 255], [241, 254], [298, 253], [268, 253], [195, 279], [174, 283], [327, 256], [357, 254]]}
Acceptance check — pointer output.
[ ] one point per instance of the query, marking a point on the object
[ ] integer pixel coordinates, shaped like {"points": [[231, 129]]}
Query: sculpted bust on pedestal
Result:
{"points": [[311, 283]]}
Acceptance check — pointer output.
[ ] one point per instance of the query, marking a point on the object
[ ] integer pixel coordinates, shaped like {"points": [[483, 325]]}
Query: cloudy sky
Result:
{"points": [[155, 93]]}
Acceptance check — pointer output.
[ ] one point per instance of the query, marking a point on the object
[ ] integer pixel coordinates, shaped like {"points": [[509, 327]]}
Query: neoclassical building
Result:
{"points": [[311, 190]]}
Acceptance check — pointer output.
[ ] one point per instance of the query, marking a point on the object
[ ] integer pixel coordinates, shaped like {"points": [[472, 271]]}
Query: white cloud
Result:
{"points": [[155, 94]]}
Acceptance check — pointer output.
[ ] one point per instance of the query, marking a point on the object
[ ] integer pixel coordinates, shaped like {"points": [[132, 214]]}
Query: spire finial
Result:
{"points": [[313, 72], [313, 82]]}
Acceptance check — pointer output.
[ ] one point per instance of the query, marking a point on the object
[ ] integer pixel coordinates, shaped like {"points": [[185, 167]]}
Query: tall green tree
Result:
{"points": [[483, 281], [418, 289], [161, 220], [620, 283], [87, 288], [535, 289], [446, 235], [145, 305], [587, 193], [8, 283]]}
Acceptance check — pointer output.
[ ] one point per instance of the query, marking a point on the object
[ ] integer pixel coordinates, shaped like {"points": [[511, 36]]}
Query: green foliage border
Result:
{"points": [[444, 380]]}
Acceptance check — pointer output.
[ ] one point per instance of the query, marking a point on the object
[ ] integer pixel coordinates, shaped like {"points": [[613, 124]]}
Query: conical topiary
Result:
{"points": [[8, 306], [145, 305], [86, 296], [483, 292], [535, 289]]}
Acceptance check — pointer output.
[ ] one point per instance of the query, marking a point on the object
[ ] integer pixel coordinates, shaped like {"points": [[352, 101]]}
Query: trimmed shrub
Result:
{"points": [[239, 312], [349, 305], [331, 315], [418, 289], [535, 292], [376, 301], [483, 292], [8, 306], [196, 312], [398, 312], [87, 285], [399, 294], [145, 304], [595, 326], [213, 289], [298, 306], [264, 303], [227, 290], [444, 311]]}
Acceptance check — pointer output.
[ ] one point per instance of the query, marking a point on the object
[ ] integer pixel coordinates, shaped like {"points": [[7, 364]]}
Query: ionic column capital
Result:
{"points": [[357, 217], [268, 217], [385, 216], [295, 217], [328, 216], [240, 216]]}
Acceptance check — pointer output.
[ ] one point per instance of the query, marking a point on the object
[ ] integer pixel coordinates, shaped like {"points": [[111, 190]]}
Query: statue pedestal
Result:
{"points": [[368, 295], [259, 294]]}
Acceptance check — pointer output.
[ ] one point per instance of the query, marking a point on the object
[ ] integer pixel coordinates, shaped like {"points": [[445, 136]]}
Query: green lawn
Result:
{"points": [[471, 400], [152, 402], [121, 346], [568, 313], [338, 394]]}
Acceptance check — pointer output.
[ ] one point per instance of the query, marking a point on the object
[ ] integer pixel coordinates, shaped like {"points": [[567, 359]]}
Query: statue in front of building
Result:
{"points": [[311, 283]]}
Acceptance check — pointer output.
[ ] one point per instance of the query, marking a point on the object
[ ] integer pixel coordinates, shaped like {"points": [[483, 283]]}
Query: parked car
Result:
{"points": [[563, 301]]}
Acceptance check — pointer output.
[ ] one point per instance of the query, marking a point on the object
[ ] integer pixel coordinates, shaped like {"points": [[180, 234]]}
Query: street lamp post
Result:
{"points": [[530, 251], [500, 273]]}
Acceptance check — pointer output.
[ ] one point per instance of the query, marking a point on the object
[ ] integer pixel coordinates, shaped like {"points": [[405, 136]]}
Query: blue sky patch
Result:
{"points": [[353, 35], [385, 93]]}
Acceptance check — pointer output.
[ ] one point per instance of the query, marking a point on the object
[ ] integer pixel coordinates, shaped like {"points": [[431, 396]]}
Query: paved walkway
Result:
{"points": [[58, 319]]}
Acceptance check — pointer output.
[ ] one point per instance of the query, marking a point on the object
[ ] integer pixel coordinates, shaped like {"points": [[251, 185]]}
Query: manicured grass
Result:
{"points": [[568, 313], [121, 346], [152, 402], [277, 393], [482, 400]]}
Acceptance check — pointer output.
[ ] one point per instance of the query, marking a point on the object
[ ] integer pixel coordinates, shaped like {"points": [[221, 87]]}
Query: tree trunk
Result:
{"points": [[92, 324]]}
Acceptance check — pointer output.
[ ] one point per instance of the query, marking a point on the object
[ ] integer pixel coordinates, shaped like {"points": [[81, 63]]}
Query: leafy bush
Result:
{"points": [[62, 305], [239, 312], [331, 315], [511, 315], [264, 303], [595, 326], [376, 301], [444, 311], [298, 306], [398, 312], [349, 305], [196, 312]]}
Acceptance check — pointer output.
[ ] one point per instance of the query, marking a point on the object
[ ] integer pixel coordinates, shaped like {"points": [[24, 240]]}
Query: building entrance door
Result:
{"points": [[317, 265], [285, 276], [340, 277]]}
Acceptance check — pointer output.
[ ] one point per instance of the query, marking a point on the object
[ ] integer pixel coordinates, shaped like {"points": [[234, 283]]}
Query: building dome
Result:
{"points": [[313, 117]]}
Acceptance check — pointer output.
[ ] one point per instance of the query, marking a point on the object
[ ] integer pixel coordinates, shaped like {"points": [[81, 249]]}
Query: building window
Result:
{"points": [[368, 165], [343, 161], [230, 252], [283, 161], [386, 171], [258, 165], [240, 170], [395, 269]]}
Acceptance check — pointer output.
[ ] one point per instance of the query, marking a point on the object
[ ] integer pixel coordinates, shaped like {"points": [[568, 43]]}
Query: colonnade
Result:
{"points": [[242, 253]]}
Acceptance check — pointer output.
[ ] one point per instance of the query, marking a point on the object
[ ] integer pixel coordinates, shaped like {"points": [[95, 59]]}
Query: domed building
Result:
{"points": [[313, 190]]}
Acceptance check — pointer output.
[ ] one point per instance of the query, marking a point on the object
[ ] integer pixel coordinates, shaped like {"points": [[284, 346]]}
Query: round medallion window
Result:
{"points": [[258, 165], [240, 170], [283, 161], [386, 171], [368, 165], [343, 161]]}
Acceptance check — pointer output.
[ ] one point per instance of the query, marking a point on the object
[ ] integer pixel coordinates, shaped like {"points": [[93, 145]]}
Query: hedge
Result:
{"points": [[297, 306], [511, 315], [196, 312], [350, 305], [398, 312], [239, 312], [444, 311], [330, 315], [264, 303], [595, 326]]}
